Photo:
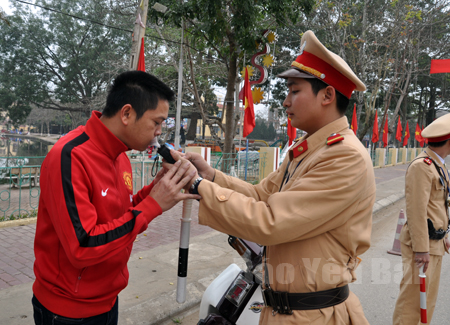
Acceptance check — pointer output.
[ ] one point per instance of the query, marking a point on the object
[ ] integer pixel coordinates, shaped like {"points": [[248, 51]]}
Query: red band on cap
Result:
{"points": [[439, 139], [323, 71]]}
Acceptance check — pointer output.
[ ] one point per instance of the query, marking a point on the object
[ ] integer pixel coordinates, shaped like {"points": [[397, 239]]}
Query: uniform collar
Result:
{"points": [[434, 156], [310, 142], [439, 157], [103, 138]]}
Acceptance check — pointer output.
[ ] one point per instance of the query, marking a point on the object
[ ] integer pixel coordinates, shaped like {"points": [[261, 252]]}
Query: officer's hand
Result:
{"points": [[202, 166], [167, 192], [422, 259], [447, 243]]}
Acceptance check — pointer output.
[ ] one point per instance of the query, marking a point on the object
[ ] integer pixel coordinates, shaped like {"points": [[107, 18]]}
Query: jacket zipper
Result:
{"points": [[115, 182], [79, 279]]}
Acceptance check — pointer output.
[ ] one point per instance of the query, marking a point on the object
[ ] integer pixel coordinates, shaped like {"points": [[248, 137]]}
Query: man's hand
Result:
{"points": [[202, 166], [167, 191], [447, 244], [422, 259], [178, 156], [158, 176]]}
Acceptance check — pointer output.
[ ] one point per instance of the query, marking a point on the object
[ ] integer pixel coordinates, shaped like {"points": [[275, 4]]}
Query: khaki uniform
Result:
{"points": [[425, 198], [314, 228]]}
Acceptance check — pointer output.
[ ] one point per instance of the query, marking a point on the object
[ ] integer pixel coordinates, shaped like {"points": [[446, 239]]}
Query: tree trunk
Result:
{"points": [[191, 133], [229, 104]]}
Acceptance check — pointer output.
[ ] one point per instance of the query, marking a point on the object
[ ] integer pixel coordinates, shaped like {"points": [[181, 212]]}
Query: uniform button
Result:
{"points": [[222, 197], [300, 149]]}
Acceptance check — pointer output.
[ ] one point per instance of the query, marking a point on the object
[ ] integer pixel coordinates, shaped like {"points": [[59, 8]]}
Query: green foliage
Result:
{"points": [[227, 30], [262, 131], [3, 19], [23, 215], [57, 61]]}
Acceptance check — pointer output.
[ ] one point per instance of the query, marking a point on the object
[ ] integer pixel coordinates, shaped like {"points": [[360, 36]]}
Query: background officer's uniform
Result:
{"points": [[426, 193], [314, 227]]}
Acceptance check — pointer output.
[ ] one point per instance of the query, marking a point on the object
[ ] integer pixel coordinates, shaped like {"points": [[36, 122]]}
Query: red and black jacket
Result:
{"points": [[88, 219]]}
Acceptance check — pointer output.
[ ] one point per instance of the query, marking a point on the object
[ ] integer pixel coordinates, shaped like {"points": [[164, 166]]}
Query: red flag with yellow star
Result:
{"points": [[406, 138], [385, 133], [141, 62], [249, 117], [375, 135], [424, 139], [291, 131], [354, 120], [440, 66], [418, 135], [398, 135]]}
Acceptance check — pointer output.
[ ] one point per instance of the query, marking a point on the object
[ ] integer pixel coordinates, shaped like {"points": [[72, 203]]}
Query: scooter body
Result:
{"points": [[235, 296]]}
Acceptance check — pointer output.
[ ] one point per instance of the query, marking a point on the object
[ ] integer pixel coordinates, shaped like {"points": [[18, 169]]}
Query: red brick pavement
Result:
{"points": [[16, 243]]}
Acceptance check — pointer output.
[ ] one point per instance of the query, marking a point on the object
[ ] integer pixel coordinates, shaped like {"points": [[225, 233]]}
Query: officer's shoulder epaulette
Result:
{"points": [[427, 160], [334, 138]]}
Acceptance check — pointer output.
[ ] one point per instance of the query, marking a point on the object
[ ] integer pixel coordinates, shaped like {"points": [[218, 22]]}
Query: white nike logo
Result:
{"points": [[104, 193]]}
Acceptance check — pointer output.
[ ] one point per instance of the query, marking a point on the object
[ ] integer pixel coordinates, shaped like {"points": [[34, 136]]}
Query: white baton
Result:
{"points": [[423, 296], [184, 251]]}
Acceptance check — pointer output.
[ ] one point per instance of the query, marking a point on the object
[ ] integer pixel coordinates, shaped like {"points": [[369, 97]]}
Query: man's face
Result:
{"points": [[302, 105], [142, 131]]}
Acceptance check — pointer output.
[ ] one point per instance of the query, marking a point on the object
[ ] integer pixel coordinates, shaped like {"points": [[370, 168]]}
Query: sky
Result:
{"points": [[4, 4]]}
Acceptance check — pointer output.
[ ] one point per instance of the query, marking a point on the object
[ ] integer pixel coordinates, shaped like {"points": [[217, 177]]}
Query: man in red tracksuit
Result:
{"points": [[88, 217]]}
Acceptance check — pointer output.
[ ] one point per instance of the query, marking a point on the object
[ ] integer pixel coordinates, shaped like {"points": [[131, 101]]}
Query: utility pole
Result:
{"points": [[180, 91], [138, 33]]}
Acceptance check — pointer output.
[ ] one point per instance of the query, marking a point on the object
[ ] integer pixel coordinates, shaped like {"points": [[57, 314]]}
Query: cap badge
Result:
{"points": [[427, 161], [334, 138], [310, 70]]}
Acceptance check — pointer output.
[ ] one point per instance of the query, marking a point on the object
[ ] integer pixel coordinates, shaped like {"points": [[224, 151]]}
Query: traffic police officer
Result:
{"points": [[314, 214], [424, 236]]}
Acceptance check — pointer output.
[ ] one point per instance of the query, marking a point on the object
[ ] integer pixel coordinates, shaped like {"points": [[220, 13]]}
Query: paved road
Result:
{"points": [[380, 273], [16, 243], [150, 295]]}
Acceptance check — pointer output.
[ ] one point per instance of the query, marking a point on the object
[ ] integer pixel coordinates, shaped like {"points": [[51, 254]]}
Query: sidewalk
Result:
{"points": [[150, 295]]}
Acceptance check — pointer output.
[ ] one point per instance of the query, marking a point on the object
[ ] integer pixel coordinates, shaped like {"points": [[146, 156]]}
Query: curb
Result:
{"points": [[154, 312], [383, 203], [19, 222]]}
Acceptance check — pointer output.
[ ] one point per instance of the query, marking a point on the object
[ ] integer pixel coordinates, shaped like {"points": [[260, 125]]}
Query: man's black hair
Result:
{"points": [[141, 90], [437, 144], [341, 101]]}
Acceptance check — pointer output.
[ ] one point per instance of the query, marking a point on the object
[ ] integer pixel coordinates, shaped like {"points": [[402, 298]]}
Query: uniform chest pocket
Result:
{"points": [[438, 190]]}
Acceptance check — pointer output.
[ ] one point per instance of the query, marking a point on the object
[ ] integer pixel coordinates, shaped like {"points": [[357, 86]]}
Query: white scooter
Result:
{"points": [[235, 296]]}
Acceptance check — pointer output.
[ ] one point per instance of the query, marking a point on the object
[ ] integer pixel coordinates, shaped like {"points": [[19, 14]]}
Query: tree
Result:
{"points": [[53, 60], [3, 17], [383, 42], [228, 29], [262, 131], [163, 54]]}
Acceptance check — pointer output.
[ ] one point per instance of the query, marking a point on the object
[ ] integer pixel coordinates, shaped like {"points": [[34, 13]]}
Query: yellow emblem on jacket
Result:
{"points": [[128, 180]]}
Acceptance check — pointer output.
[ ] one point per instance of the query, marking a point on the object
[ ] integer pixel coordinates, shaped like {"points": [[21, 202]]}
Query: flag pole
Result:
{"points": [[240, 126]]}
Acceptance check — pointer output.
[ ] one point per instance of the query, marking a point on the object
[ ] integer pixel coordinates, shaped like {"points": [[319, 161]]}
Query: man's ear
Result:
{"points": [[329, 95], [126, 113]]}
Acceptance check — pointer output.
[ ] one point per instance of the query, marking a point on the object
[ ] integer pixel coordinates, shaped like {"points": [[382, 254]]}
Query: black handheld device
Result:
{"points": [[164, 151]]}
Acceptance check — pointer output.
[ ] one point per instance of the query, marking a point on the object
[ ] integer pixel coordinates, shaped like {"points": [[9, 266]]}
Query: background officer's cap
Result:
{"points": [[439, 130], [316, 61]]}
